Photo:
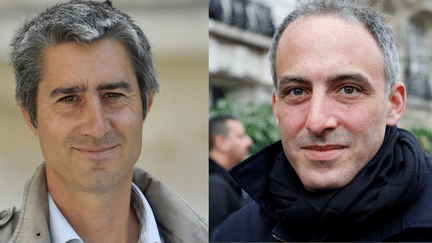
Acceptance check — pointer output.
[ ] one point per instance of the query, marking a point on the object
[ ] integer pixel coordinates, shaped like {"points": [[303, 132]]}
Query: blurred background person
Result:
{"points": [[228, 146]]}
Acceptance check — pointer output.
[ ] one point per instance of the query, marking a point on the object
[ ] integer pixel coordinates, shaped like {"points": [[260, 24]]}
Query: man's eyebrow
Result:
{"points": [[355, 77], [67, 90], [285, 80], [115, 85]]}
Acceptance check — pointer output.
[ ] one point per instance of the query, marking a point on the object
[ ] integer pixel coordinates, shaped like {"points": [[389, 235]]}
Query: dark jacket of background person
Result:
{"points": [[258, 220], [225, 195], [176, 221]]}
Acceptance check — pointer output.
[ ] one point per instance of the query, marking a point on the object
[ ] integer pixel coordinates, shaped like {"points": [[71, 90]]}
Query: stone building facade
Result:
{"points": [[411, 21]]}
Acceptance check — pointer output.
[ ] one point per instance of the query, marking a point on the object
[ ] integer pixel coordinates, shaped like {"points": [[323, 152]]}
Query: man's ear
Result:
{"points": [[27, 119], [150, 101], [398, 101], [221, 143], [275, 112]]}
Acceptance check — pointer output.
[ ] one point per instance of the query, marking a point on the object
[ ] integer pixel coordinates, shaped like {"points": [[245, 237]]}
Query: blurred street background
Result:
{"points": [[175, 144]]}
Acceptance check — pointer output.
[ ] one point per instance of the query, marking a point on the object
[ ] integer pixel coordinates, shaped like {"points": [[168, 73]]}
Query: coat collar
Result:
{"points": [[33, 221], [253, 174], [176, 220], [215, 169]]}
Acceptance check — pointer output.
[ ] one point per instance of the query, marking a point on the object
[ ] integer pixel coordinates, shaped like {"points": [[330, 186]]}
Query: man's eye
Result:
{"points": [[296, 92], [349, 90], [69, 99], [113, 96]]}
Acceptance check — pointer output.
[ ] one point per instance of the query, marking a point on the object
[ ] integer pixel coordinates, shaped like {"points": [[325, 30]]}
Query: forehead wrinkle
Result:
{"points": [[309, 23]]}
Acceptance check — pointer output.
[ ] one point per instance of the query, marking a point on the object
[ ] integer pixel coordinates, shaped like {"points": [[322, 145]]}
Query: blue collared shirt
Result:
{"points": [[62, 232]]}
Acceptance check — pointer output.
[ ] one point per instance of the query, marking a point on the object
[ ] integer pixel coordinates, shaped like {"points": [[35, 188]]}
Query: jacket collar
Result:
{"points": [[215, 169], [253, 174], [33, 221], [176, 220]]}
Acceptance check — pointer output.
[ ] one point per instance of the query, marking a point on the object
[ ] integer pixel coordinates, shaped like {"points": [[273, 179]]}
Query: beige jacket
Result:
{"points": [[176, 220]]}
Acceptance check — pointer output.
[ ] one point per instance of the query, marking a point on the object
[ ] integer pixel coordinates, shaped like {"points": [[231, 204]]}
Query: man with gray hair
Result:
{"points": [[85, 82], [342, 171]]}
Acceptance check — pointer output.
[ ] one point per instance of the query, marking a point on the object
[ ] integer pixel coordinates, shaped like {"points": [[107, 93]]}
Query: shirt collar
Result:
{"points": [[60, 229], [62, 232], [144, 213]]}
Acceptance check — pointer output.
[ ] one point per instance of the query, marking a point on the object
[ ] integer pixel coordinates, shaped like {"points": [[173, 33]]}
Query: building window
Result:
{"points": [[417, 66], [249, 15]]}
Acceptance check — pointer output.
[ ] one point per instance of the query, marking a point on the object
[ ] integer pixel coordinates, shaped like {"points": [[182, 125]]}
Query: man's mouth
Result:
{"points": [[97, 153], [323, 152], [324, 147]]}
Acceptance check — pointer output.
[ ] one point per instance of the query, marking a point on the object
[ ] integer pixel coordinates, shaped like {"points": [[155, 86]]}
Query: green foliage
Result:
{"points": [[424, 136], [256, 118]]}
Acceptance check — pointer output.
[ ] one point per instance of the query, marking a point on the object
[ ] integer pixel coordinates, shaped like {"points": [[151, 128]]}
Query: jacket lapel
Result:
{"points": [[33, 221]]}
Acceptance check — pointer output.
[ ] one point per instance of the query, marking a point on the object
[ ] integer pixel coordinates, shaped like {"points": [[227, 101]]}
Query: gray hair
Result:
{"points": [[351, 11], [83, 22]]}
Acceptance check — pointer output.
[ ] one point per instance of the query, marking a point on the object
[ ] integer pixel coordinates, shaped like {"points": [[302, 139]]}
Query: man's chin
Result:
{"points": [[323, 179], [97, 181], [324, 182]]}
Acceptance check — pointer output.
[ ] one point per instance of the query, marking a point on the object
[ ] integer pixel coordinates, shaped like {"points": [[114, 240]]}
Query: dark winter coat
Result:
{"points": [[256, 222], [225, 195]]}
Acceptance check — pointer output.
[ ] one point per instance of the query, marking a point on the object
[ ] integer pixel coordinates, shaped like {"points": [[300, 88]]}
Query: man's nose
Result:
{"points": [[96, 122], [320, 117]]}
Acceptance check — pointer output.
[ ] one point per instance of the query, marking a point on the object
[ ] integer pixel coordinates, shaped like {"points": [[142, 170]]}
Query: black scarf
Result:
{"points": [[382, 190]]}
